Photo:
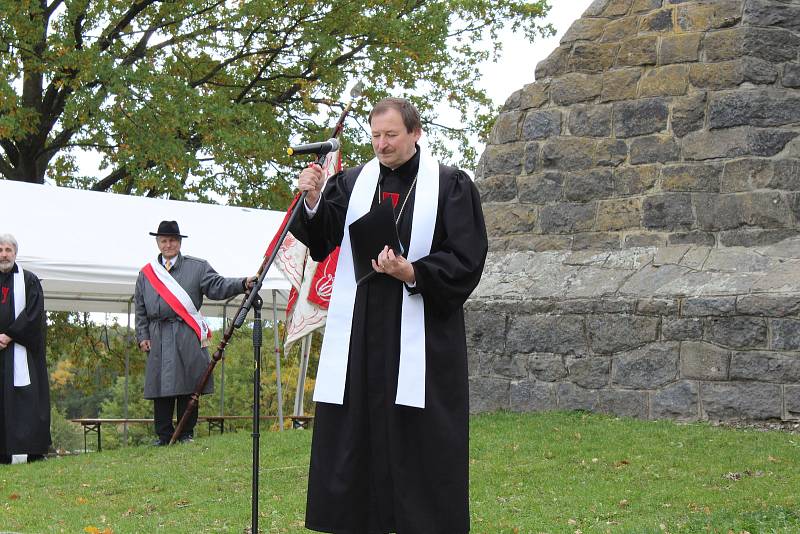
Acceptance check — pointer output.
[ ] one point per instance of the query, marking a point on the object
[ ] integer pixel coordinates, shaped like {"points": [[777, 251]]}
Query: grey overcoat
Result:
{"points": [[176, 361]]}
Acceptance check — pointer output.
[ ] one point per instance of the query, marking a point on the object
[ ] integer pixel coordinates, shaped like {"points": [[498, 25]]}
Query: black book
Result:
{"points": [[369, 234]]}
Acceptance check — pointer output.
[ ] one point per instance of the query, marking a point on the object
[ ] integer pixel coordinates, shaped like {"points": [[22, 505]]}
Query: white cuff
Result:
{"points": [[311, 212]]}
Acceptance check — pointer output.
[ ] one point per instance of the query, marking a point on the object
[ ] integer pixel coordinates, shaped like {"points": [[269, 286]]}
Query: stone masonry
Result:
{"points": [[642, 199]]}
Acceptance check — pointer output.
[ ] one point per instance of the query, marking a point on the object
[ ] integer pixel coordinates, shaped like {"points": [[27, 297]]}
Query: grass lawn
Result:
{"points": [[530, 473]]}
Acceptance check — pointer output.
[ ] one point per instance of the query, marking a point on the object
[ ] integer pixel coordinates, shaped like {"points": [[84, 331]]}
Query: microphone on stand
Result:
{"points": [[331, 145]]}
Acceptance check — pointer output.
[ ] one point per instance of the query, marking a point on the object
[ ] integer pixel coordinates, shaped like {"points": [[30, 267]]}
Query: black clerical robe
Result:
{"points": [[24, 411], [376, 466]]}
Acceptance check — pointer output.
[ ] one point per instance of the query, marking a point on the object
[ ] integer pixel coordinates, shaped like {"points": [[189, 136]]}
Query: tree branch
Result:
{"points": [[111, 179], [6, 169], [111, 35], [11, 151], [77, 31], [49, 10]]}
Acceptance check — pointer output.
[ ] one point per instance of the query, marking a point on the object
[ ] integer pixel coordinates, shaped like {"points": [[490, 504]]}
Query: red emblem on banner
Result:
{"points": [[291, 301], [322, 284]]}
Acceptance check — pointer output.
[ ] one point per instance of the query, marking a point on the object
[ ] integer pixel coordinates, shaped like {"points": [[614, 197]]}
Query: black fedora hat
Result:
{"points": [[168, 228]]}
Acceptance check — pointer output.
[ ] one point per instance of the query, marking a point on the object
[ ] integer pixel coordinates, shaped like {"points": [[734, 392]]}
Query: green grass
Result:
{"points": [[530, 473]]}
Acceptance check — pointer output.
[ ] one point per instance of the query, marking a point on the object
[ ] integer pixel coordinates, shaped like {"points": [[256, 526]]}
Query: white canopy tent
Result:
{"points": [[87, 247]]}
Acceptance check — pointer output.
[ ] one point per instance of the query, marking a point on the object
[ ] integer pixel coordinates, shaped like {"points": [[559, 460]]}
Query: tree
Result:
{"points": [[85, 359], [195, 98]]}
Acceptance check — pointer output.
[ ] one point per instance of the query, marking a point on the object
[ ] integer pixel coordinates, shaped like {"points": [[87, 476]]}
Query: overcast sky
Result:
{"points": [[518, 62]]}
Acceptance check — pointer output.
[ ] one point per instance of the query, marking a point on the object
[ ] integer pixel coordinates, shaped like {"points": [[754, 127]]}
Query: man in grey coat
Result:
{"points": [[169, 293]]}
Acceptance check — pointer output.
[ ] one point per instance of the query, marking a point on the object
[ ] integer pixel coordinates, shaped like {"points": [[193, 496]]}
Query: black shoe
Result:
{"points": [[5, 458], [36, 458], [160, 443], [186, 439]]}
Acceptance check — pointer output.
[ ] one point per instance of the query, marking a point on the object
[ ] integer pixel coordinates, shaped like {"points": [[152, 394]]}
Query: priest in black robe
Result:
{"points": [[24, 381], [392, 456]]}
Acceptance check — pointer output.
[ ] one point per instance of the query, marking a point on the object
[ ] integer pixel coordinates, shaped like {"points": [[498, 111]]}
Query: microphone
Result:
{"points": [[331, 145]]}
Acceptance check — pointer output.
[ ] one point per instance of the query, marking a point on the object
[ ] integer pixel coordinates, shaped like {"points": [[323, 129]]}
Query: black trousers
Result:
{"points": [[164, 411]]}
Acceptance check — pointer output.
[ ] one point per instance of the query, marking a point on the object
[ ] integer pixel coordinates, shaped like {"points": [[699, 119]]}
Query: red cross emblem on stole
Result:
{"points": [[394, 196]]}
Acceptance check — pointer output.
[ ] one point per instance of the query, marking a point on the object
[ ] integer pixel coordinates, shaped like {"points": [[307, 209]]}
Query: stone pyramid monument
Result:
{"points": [[642, 199]]}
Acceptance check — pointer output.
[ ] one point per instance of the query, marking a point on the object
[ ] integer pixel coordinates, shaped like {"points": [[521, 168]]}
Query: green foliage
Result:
{"points": [[237, 392], [239, 366], [200, 97], [550, 472], [66, 436], [85, 360], [138, 408]]}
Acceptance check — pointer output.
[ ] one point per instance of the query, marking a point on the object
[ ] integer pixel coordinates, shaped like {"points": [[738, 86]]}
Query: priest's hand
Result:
{"points": [[395, 266], [249, 282], [5, 341], [311, 180], [144, 345]]}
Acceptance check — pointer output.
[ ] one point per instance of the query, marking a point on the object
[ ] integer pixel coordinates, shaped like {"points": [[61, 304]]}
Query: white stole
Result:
{"points": [[332, 369], [21, 375]]}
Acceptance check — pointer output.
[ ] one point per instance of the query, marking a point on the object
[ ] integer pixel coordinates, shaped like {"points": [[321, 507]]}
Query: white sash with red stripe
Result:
{"points": [[176, 297], [332, 368], [21, 375]]}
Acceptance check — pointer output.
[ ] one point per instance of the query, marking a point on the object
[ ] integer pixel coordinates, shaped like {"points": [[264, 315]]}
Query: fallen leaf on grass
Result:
{"points": [[13, 497], [623, 503], [621, 463], [81, 500]]}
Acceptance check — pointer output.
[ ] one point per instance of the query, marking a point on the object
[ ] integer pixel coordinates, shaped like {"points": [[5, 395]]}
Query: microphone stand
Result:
{"points": [[254, 301], [256, 407]]}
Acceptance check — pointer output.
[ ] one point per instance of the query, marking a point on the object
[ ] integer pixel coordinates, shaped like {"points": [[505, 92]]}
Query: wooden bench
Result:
{"points": [[94, 425], [217, 422]]}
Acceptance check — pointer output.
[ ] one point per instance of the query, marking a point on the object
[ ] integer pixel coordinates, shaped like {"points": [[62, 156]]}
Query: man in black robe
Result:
{"points": [[24, 382], [380, 464]]}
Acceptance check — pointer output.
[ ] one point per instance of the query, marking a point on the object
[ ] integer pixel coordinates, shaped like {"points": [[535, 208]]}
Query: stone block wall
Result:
{"points": [[654, 123], [659, 341], [642, 199]]}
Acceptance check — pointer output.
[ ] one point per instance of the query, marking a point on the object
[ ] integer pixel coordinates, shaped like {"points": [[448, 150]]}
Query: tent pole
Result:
{"points": [[222, 367], [305, 351], [127, 373], [277, 358], [298, 390]]}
